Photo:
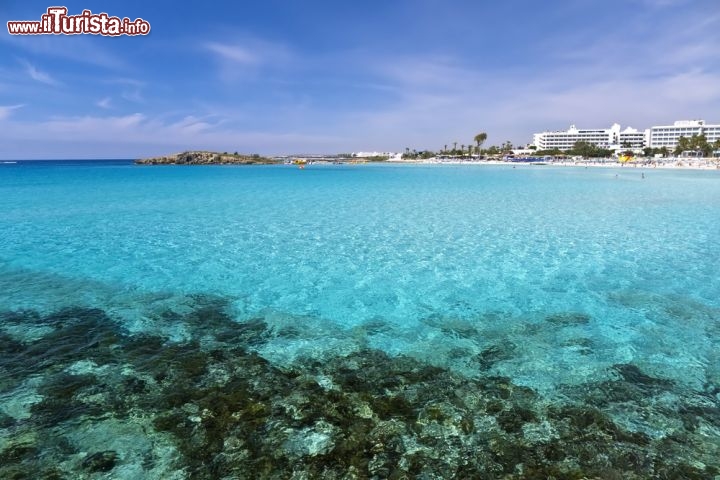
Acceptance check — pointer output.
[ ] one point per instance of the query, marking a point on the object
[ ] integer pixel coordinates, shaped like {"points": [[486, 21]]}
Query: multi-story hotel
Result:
{"points": [[611, 138], [632, 138], [668, 135], [615, 139]]}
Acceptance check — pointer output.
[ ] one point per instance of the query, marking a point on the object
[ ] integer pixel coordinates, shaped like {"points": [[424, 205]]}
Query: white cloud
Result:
{"points": [[139, 135], [91, 127], [234, 53], [637, 78], [104, 103], [663, 3], [37, 75], [246, 58], [658, 71], [131, 89], [192, 125], [6, 111], [76, 48], [446, 102], [133, 95]]}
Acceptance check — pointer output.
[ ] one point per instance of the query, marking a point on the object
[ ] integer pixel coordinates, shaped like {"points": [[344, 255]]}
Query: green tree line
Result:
{"points": [[463, 150], [696, 143]]}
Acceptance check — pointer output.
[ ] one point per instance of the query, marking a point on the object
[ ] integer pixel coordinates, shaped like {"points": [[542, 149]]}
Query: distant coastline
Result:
{"points": [[206, 158], [198, 157]]}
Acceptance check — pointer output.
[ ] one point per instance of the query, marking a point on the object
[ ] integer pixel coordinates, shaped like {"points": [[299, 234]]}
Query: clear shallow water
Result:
{"points": [[556, 279]]}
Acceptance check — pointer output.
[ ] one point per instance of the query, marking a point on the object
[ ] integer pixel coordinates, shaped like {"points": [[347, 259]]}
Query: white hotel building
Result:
{"points": [[668, 135], [614, 138], [611, 138]]}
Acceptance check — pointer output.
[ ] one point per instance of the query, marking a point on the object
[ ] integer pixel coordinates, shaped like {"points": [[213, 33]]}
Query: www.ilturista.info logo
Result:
{"points": [[57, 22]]}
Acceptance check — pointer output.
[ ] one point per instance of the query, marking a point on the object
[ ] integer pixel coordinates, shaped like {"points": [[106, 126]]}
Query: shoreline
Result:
{"points": [[676, 165]]}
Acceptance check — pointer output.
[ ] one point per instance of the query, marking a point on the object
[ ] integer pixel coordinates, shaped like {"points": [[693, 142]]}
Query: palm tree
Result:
{"points": [[462, 149], [683, 144], [445, 149], [480, 139]]}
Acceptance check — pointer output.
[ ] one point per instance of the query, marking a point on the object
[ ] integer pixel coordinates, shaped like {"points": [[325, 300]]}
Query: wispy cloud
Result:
{"points": [[233, 53], [104, 102], [81, 49], [133, 95], [638, 78], [92, 125], [131, 89], [192, 125], [37, 75], [247, 57], [663, 3], [6, 111], [142, 135], [361, 92]]}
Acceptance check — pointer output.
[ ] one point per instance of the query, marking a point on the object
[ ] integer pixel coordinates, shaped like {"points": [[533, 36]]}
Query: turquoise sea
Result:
{"points": [[358, 321]]}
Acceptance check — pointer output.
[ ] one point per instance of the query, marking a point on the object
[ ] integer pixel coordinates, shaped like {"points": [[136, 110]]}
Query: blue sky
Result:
{"points": [[318, 76]]}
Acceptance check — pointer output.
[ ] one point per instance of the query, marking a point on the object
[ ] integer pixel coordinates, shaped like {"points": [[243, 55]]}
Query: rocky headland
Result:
{"points": [[206, 158]]}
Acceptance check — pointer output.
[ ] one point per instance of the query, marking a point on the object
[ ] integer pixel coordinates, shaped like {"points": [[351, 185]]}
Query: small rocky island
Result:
{"points": [[206, 158]]}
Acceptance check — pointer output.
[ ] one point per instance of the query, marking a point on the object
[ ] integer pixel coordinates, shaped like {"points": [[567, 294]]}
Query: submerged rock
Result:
{"points": [[496, 353], [210, 407], [568, 319], [310, 441], [632, 374], [100, 461]]}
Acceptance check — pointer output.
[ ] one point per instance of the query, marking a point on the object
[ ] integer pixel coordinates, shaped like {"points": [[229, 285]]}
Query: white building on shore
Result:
{"points": [[610, 138], [633, 138], [374, 154], [614, 138], [668, 135]]}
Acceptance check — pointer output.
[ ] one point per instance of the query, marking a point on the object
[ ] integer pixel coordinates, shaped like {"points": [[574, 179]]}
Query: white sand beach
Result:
{"points": [[668, 163]]}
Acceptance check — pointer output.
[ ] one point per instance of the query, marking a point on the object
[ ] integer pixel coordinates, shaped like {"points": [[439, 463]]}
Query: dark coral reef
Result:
{"points": [[88, 399]]}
